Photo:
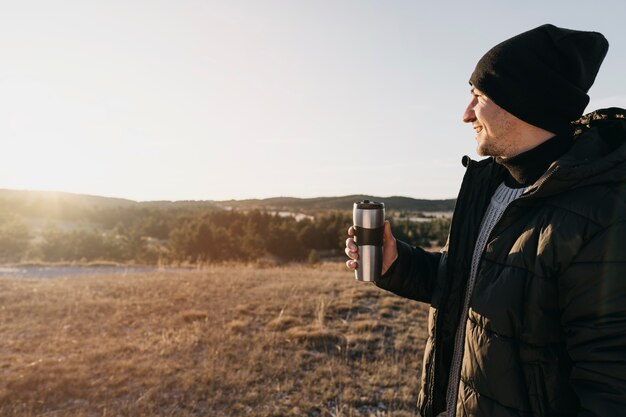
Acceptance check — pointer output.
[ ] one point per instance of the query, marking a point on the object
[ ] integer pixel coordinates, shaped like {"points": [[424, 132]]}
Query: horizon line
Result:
{"points": [[216, 200]]}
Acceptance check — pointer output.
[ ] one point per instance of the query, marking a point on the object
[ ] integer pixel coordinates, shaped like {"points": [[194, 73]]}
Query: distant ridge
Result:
{"points": [[53, 197], [340, 203], [31, 202]]}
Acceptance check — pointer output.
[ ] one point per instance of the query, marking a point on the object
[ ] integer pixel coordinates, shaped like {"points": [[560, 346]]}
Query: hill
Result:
{"points": [[43, 203], [340, 203], [51, 205]]}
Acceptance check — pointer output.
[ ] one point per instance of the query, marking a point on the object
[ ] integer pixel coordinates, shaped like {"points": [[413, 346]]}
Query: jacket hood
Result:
{"points": [[598, 155]]}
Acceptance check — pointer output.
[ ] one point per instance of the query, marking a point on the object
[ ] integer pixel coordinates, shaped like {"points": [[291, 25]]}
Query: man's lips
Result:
{"points": [[477, 128]]}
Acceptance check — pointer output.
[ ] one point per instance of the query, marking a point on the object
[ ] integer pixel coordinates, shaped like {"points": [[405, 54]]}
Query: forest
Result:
{"points": [[188, 235]]}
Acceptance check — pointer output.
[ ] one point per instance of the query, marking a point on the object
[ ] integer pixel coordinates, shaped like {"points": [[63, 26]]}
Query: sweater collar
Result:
{"points": [[526, 168]]}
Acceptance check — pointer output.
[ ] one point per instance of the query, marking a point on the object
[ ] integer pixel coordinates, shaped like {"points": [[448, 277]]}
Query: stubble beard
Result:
{"points": [[500, 145], [489, 148]]}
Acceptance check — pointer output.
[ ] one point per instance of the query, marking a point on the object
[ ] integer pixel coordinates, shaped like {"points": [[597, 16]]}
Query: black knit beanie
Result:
{"points": [[542, 76]]}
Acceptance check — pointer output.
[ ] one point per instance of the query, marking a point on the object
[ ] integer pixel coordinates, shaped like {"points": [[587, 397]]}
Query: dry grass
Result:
{"points": [[225, 341]]}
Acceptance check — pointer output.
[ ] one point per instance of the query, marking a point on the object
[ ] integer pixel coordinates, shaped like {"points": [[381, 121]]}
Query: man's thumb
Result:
{"points": [[387, 235]]}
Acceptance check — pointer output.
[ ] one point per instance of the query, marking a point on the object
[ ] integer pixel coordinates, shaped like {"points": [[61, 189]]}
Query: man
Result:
{"points": [[528, 297]]}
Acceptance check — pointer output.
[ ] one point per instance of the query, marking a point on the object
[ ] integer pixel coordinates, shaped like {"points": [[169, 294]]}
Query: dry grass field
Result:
{"points": [[223, 341]]}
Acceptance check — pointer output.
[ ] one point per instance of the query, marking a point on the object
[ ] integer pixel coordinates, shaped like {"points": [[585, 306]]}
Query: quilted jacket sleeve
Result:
{"points": [[413, 274], [592, 296]]}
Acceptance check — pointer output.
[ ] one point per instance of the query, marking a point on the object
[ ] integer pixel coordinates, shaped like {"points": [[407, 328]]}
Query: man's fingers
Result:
{"points": [[352, 251], [352, 254]]}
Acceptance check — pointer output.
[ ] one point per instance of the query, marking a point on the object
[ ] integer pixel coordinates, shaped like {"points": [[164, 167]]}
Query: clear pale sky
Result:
{"points": [[213, 100]]}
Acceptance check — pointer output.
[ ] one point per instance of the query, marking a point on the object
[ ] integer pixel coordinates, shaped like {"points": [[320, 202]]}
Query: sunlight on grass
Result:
{"points": [[227, 341]]}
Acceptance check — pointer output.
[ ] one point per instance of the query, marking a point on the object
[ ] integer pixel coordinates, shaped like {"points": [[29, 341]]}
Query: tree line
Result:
{"points": [[177, 236]]}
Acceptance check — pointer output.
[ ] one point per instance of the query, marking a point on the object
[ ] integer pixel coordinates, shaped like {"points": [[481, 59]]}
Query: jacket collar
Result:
{"points": [[598, 155]]}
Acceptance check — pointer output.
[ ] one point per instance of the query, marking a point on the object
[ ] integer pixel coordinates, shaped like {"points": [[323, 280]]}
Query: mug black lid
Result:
{"points": [[369, 205]]}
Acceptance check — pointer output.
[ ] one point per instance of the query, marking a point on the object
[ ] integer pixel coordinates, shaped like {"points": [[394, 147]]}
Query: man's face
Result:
{"points": [[497, 131]]}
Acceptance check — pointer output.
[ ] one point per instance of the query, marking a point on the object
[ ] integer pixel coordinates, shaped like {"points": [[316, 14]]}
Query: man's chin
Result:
{"points": [[481, 151], [484, 151]]}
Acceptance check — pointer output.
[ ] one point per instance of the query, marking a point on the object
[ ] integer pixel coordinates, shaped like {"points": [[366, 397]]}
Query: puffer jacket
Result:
{"points": [[546, 329]]}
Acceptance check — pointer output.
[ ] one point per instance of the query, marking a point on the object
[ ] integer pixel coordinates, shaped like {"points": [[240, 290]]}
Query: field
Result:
{"points": [[223, 341]]}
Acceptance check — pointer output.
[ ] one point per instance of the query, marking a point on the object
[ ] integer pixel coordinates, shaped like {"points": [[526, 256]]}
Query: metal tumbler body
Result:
{"points": [[369, 226]]}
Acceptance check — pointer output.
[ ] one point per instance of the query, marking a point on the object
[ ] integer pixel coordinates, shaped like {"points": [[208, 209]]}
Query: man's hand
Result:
{"points": [[390, 251]]}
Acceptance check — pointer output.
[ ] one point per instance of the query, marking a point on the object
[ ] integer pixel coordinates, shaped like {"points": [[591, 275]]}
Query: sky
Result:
{"points": [[218, 100]]}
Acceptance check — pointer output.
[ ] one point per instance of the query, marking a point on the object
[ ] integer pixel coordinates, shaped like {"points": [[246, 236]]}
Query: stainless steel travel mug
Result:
{"points": [[369, 225]]}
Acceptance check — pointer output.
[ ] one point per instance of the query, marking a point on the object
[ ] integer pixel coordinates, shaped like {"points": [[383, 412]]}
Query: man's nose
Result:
{"points": [[469, 115]]}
